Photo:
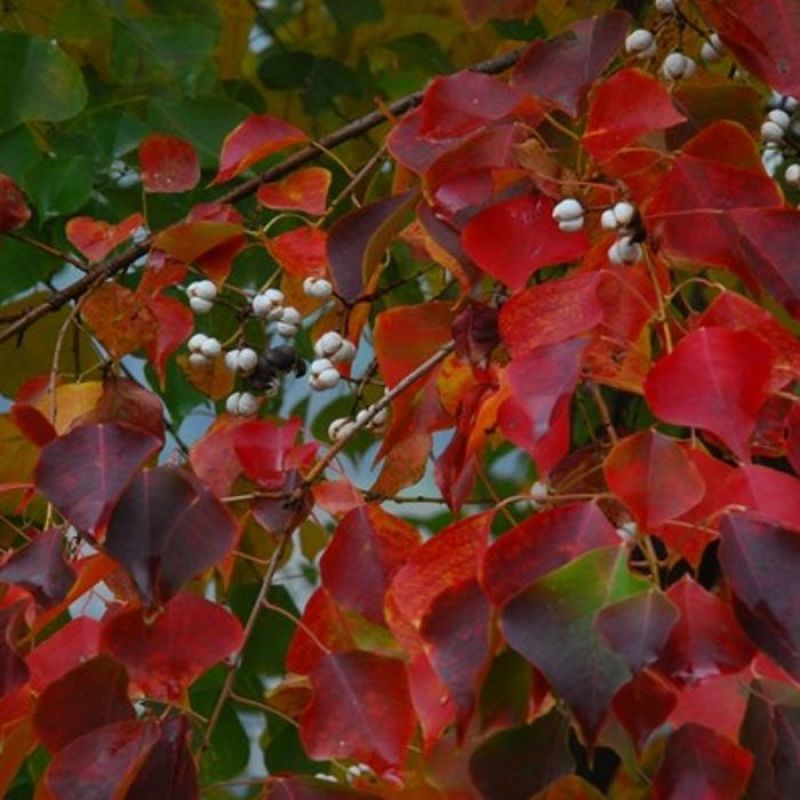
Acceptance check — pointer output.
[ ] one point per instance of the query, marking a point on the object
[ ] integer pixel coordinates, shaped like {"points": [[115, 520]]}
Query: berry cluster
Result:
{"points": [[344, 427]]}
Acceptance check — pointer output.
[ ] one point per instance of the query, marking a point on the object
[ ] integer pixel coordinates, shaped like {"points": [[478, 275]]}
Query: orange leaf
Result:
{"points": [[168, 164], [120, 319], [301, 252], [96, 238], [304, 190]]}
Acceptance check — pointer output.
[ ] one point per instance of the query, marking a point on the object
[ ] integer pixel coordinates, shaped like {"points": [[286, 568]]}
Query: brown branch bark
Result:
{"points": [[312, 152]]}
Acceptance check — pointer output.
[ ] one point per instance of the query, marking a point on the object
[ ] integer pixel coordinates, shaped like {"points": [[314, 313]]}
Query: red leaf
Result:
{"points": [[14, 211], [762, 34], [169, 773], [300, 252], [706, 640], [165, 529], [479, 12], [168, 164], [175, 324], [77, 642], [653, 475], [447, 560], [32, 424], [305, 190], [638, 627], [213, 458], [96, 238], [551, 312], [643, 705], [357, 241], [263, 449], [160, 272], [410, 149], [86, 470], [625, 107], [14, 671], [193, 240], [514, 238], [715, 379], [167, 654], [560, 71], [759, 488], [380, 544], [456, 631], [698, 762], [536, 416], [457, 104], [259, 136], [360, 710], [542, 543], [40, 567], [123, 321], [517, 763], [102, 763], [93, 694], [760, 560]]}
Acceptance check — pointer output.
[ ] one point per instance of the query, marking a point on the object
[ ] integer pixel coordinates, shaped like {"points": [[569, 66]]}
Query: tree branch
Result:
{"points": [[352, 130]]}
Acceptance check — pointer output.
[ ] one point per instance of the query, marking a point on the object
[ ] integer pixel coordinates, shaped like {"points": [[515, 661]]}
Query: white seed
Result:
{"points": [[567, 210], [713, 50], [206, 290], [667, 6], [779, 117], [624, 251], [677, 65], [608, 220], [261, 305], [248, 404], [335, 428], [362, 415], [327, 379], [639, 42], [624, 212], [232, 403], [275, 296], [247, 360], [319, 365], [198, 360], [346, 353], [792, 175], [290, 315], [211, 348], [571, 225], [196, 342], [328, 344], [772, 132], [317, 287], [380, 419], [231, 360], [286, 330], [772, 159], [200, 306]]}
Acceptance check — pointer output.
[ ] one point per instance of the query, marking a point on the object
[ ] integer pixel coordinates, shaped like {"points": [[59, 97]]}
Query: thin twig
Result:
{"points": [[352, 130], [50, 250]]}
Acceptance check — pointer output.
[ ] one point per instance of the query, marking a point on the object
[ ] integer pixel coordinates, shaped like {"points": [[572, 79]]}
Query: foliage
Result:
{"points": [[247, 349]]}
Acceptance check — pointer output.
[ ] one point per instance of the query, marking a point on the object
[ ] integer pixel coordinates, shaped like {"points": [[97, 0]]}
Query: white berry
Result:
{"points": [[261, 305], [198, 360], [286, 329], [568, 209], [200, 306], [211, 348], [328, 344], [624, 212], [677, 65], [713, 50], [317, 287], [248, 358], [641, 43], [242, 404], [624, 251], [232, 403], [196, 342], [667, 6], [608, 220], [340, 429], [571, 225], [275, 296], [772, 132], [380, 418], [327, 379], [792, 175], [345, 353], [772, 159], [780, 118], [319, 365], [205, 290], [539, 491], [290, 315]]}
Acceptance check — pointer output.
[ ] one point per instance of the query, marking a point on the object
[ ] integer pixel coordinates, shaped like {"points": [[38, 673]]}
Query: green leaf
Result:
{"points": [[18, 152], [22, 268], [38, 82], [61, 185], [349, 15]]}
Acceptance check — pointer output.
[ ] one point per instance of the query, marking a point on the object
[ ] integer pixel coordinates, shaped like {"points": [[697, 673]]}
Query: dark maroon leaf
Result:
{"points": [[165, 529], [357, 241], [475, 331], [560, 71], [14, 671], [40, 567], [517, 763], [706, 640], [281, 515], [761, 562], [169, 773], [87, 697], [643, 705], [786, 760], [379, 544], [126, 402], [84, 472], [699, 762], [638, 627], [103, 763]]}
